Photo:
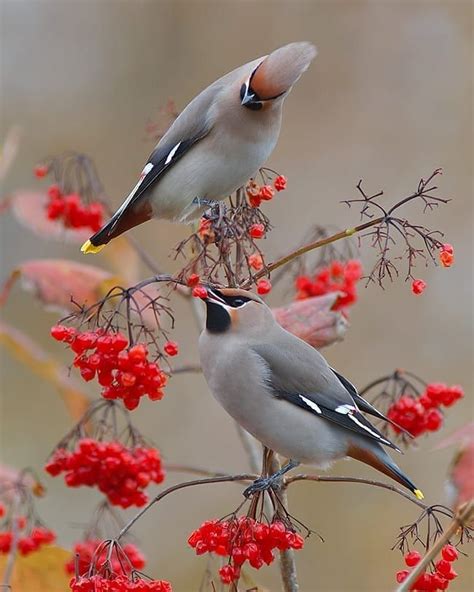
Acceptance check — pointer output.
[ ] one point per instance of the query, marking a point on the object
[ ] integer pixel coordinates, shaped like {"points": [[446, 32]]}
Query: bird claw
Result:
{"points": [[216, 209], [259, 485]]}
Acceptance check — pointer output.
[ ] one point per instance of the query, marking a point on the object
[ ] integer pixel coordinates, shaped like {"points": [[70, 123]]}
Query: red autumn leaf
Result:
{"points": [[28, 208], [460, 485], [55, 281], [29, 353], [313, 320]]}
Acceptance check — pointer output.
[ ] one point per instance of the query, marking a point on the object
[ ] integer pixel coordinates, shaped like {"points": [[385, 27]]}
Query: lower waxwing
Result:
{"points": [[283, 392]]}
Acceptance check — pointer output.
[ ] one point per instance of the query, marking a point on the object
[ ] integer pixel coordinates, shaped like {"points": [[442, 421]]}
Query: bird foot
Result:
{"points": [[217, 209], [262, 484], [272, 481]]}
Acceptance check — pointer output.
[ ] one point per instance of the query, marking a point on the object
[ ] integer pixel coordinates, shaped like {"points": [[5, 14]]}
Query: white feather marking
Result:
{"points": [[367, 429], [311, 404], [345, 409], [172, 153]]}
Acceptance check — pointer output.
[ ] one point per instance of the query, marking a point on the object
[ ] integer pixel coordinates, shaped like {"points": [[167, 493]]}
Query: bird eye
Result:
{"points": [[238, 301]]}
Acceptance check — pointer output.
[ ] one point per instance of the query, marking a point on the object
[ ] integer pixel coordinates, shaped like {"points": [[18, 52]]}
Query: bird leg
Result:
{"points": [[265, 483]]}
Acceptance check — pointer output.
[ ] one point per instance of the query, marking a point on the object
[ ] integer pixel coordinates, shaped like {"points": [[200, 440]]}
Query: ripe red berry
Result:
{"points": [[171, 348], [200, 292], [434, 420], [418, 286], [257, 231], [54, 192], [280, 183], [266, 193], [263, 286], [40, 171], [412, 558], [449, 553], [446, 255], [256, 261], [193, 280]]}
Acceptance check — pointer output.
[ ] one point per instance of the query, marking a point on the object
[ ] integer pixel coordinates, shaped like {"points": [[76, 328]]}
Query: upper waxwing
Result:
{"points": [[283, 392], [215, 145]]}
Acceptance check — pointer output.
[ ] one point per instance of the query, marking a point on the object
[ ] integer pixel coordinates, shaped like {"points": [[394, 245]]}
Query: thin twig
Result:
{"points": [[160, 496], [324, 479], [316, 245]]}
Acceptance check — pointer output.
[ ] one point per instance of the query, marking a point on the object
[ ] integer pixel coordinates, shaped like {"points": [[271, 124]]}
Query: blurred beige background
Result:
{"points": [[388, 99]]}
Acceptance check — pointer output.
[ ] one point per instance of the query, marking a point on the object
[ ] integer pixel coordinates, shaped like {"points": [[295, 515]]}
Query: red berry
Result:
{"points": [[263, 286], [200, 292], [266, 193], [255, 261], [54, 192], [402, 575], [40, 171], [280, 183], [418, 286], [412, 558], [59, 332], [434, 420], [449, 553], [257, 231], [138, 353], [171, 348], [193, 280]]}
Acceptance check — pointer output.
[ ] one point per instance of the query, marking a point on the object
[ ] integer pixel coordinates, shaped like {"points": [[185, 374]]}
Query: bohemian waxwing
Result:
{"points": [[283, 392], [216, 144]]}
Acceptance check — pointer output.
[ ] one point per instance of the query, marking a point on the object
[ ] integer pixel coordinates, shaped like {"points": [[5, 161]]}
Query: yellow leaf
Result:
{"points": [[41, 571], [29, 353]]}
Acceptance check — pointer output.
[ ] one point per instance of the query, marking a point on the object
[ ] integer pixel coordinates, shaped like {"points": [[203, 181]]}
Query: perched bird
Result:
{"points": [[282, 390], [216, 144]]}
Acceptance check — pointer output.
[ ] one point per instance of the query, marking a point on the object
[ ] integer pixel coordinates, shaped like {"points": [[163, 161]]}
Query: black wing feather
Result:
{"points": [[365, 406], [339, 418]]}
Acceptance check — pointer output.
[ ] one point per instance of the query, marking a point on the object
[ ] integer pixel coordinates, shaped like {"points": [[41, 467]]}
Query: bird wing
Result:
{"points": [[303, 378]]}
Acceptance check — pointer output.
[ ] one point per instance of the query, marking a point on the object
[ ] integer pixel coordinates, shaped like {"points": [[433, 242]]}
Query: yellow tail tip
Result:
{"points": [[419, 494], [88, 247]]}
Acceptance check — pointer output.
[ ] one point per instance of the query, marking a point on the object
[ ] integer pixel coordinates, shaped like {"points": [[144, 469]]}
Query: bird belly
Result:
{"points": [[206, 172]]}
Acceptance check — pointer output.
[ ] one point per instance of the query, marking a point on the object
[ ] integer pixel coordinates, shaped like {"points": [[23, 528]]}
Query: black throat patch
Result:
{"points": [[218, 319]]}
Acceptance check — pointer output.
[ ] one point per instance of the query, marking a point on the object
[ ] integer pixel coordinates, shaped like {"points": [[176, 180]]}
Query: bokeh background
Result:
{"points": [[388, 99]]}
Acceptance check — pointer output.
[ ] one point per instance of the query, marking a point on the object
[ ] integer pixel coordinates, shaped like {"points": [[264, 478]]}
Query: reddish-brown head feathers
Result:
{"points": [[281, 69]]}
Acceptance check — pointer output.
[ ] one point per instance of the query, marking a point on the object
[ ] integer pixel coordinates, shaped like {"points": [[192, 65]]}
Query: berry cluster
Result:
{"points": [[243, 539], [338, 276], [113, 583], [257, 193], [423, 414], [90, 550], [124, 372], [72, 211], [436, 580], [118, 472], [29, 540]]}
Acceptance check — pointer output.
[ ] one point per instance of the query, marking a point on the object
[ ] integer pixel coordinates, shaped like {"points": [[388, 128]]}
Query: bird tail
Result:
{"points": [[121, 221], [376, 457]]}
